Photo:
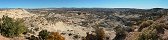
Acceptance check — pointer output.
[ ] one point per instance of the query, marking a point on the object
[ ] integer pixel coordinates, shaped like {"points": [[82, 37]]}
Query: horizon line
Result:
{"points": [[83, 7]]}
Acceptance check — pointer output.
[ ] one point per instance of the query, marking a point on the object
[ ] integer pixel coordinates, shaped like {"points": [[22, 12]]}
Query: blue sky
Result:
{"points": [[83, 3]]}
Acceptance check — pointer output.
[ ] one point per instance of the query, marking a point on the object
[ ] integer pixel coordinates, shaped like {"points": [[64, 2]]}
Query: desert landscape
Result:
{"points": [[83, 24], [83, 20]]}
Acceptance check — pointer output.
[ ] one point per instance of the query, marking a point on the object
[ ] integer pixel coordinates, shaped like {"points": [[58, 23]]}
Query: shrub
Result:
{"points": [[158, 26], [10, 27], [148, 35], [43, 34], [100, 35], [145, 24], [152, 32], [120, 33], [90, 37], [55, 36]]}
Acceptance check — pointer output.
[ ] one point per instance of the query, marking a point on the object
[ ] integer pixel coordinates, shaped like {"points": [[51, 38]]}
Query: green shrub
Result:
{"points": [[10, 27], [152, 32], [120, 33], [43, 34], [145, 24], [148, 35]]}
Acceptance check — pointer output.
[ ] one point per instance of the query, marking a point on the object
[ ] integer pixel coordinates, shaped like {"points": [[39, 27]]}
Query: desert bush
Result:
{"points": [[10, 27], [100, 35], [120, 33], [160, 27], [152, 32], [148, 35], [55, 36], [90, 37], [43, 34], [145, 24]]}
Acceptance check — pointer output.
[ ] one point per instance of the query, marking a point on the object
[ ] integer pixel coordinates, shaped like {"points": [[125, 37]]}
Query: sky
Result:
{"points": [[83, 3]]}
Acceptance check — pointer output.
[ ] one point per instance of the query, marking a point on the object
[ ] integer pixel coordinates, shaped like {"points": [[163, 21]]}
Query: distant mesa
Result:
{"points": [[13, 11], [157, 8]]}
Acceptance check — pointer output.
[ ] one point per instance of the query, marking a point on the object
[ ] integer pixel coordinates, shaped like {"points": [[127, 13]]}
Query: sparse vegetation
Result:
{"points": [[100, 35], [55, 36], [128, 23], [90, 37], [10, 27], [152, 32], [120, 33], [145, 24], [149, 34], [43, 34]]}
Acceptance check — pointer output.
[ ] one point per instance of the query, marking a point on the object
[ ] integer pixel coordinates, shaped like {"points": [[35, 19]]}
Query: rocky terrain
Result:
{"points": [[91, 23]]}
